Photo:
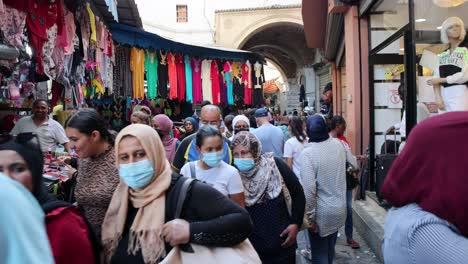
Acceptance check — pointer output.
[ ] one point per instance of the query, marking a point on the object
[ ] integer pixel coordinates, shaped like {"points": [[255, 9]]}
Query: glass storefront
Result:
{"points": [[405, 51]]}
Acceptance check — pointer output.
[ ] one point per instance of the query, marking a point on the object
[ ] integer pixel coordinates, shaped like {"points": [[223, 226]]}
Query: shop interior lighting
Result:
{"points": [[439, 27], [448, 3], [420, 20]]}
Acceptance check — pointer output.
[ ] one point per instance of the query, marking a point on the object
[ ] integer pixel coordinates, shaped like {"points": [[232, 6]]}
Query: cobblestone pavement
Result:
{"points": [[344, 254]]}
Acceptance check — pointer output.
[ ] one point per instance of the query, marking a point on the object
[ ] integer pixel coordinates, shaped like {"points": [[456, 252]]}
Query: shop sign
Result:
{"points": [[394, 71], [393, 98]]}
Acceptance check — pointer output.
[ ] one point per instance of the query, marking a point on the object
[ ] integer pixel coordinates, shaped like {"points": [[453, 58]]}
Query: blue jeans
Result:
{"points": [[322, 248], [349, 215]]}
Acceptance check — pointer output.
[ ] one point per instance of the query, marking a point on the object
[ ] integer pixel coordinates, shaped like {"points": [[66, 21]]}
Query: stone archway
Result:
{"points": [[277, 33]]}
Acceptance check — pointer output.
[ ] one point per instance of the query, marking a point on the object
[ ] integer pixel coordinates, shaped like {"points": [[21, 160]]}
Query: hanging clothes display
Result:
{"points": [[123, 81], [258, 84], [215, 87], [12, 23], [229, 82], [188, 79], [151, 68], [196, 80], [82, 17], [162, 75], [65, 38], [92, 22], [206, 81], [222, 83], [238, 87], [247, 81], [171, 60], [137, 66], [180, 65]]}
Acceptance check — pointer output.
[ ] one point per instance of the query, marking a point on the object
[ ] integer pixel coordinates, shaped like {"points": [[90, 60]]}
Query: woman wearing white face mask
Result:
{"points": [[141, 214], [211, 168], [275, 228]]}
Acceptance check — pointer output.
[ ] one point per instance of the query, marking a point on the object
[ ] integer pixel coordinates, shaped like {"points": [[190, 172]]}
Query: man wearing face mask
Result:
{"points": [[187, 151]]}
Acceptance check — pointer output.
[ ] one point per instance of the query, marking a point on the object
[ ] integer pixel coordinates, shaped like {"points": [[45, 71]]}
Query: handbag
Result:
{"points": [[242, 253], [288, 199]]}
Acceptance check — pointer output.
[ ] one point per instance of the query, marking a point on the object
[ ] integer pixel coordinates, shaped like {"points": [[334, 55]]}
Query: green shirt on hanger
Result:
{"points": [[151, 69]]}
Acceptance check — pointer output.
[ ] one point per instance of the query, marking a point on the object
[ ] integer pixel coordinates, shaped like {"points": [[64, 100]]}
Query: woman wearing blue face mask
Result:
{"points": [[211, 168], [275, 228], [139, 226]]}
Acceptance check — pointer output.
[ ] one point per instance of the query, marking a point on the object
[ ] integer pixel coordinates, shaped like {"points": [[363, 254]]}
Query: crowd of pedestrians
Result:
{"points": [[240, 182], [249, 184]]}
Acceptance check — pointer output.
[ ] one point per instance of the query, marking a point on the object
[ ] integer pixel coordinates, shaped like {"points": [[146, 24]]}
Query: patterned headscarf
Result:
{"points": [[263, 181]]}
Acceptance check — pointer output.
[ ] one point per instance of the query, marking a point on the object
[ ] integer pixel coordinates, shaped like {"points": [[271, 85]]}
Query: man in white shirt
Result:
{"points": [[49, 131]]}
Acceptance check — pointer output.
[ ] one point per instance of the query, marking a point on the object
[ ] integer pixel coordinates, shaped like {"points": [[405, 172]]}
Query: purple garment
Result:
{"points": [[223, 88]]}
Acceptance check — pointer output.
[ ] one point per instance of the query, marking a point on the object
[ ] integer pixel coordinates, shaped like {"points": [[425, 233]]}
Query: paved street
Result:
{"points": [[344, 253]]}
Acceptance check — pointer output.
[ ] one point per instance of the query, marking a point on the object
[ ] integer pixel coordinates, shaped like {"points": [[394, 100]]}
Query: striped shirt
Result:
{"points": [[415, 236], [323, 173]]}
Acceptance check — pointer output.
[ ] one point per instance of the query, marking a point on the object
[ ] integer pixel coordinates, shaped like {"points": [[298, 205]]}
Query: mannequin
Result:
{"points": [[452, 72]]}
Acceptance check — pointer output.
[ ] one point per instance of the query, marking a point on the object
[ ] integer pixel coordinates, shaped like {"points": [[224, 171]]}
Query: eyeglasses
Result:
{"points": [[21, 138]]}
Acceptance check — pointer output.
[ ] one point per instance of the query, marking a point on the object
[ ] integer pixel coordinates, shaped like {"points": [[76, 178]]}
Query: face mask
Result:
{"points": [[213, 159], [244, 164], [240, 130], [137, 175], [160, 133]]}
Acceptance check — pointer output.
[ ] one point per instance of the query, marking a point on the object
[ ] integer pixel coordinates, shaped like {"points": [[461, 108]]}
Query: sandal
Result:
{"points": [[353, 244]]}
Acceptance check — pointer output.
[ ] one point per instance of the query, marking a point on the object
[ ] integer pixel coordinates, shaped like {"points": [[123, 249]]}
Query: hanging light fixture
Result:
{"points": [[449, 3]]}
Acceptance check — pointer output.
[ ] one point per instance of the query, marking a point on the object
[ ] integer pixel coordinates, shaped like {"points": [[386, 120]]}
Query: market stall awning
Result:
{"points": [[314, 16], [271, 86], [135, 37], [122, 11]]}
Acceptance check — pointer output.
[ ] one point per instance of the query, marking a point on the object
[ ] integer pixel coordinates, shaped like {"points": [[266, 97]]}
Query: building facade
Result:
{"points": [[374, 47]]}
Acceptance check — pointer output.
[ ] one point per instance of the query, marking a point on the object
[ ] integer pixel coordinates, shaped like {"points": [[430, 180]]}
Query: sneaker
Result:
{"points": [[306, 254]]}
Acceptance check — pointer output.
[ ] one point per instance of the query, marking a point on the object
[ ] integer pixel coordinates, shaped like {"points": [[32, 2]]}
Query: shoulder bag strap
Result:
{"points": [[181, 198], [193, 172]]}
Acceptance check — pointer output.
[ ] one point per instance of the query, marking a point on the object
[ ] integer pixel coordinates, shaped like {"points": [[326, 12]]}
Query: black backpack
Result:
{"points": [[50, 206]]}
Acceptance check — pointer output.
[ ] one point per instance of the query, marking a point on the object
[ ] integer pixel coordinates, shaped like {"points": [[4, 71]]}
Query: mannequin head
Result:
{"points": [[452, 28]]}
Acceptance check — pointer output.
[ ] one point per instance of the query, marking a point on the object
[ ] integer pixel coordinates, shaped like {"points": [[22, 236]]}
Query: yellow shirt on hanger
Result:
{"points": [[137, 66], [92, 21]]}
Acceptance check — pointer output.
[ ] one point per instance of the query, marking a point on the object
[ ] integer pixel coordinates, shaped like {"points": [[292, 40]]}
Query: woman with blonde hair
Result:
{"points": [[452, 71], [139, 226]]}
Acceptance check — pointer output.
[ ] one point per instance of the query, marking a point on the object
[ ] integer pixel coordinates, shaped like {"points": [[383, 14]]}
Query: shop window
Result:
{"points": [[182, 13], [388, 70], [386, 18]]}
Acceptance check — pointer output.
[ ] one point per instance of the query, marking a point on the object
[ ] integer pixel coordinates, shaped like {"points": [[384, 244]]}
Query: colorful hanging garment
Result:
{"points": [[215, 87], [137, 66], [206, 80], [229, 78], [188, 80], [196, 80], [162, 75], [12, 23], [258, 84], [222, 83], [180, 65], [171, 60], [238, 87], [151, 68], [92, 21], [247, 81]]}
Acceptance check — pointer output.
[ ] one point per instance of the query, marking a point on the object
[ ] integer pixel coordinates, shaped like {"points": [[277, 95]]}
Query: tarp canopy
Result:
{"points": [[135, 37]]}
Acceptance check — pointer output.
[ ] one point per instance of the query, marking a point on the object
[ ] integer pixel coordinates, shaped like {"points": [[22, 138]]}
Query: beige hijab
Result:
{"points": [[145, 232]]}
